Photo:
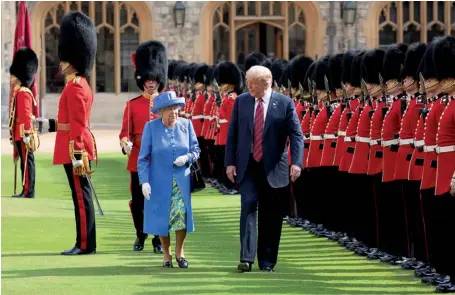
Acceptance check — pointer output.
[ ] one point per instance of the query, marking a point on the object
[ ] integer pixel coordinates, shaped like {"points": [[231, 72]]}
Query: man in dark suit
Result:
{"points": [[257, 158]]}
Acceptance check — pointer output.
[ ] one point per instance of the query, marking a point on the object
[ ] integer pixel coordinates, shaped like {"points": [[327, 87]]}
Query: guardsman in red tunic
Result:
{"points": [[298, 68], [75, 145], [365, 229], [393, 221], [151, 77], [320, 194], [207, 165], [444, 201], [229, 78], [411, 191], [21, 120]]}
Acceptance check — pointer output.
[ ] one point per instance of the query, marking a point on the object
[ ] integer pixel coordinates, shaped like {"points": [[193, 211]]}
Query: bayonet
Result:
{"points": [[290, 88], [301, 91], [381, 83], [275, 85], [422, 90], [345, 92], [327, 90]]}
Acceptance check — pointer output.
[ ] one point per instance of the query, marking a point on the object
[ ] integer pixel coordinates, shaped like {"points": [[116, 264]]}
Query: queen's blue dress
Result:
{"points": [[169, 208]]}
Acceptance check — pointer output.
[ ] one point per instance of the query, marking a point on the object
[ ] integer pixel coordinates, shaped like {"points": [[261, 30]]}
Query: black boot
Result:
{"points": [[157, 248], [139, 243]]}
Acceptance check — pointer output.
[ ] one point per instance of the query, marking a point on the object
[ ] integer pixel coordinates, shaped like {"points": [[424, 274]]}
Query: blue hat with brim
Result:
{"points": [[167, 99]]}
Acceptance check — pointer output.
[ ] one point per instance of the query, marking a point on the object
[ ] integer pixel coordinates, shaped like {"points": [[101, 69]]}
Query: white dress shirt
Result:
{"points": [[265, 102]]}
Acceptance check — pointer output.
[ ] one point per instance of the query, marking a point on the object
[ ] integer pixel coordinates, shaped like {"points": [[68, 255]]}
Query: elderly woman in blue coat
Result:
{"points": [[169, 147]]}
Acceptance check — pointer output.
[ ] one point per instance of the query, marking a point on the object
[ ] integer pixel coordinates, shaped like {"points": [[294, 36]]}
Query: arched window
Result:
{"points": [[275, 28], [118, 29], [412, 21]]}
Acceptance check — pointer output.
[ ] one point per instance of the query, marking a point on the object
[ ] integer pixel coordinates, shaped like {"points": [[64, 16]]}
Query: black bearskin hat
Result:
{"points": [[278, 67], [254, 59], [299, 67], [24, 66], [209, 75], [356, 69], [309, 75], [78, 42], [427, 65], [151, 64], [178, 70], [393, 60], [347, 63], [228, 73], [444, 58], [170, 69], [200, 72], [335, 70], [286, 75], [373, 65], [412, 60], [267, 63], [321, 71]]}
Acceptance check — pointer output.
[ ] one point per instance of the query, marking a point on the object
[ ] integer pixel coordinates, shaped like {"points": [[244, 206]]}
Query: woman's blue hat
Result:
{"points": [[166, 99]]}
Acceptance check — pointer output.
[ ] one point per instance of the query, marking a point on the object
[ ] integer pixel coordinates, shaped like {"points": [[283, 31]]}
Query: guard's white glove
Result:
{"points": [[43, 122], [77, 163], [146, 190], [26, 139], [180, 161], [128, 147]]}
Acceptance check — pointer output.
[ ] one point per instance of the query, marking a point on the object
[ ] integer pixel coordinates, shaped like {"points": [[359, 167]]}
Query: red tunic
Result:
{"points": [[330, 137], [407, 131], [74, 108], [24, 112], [342, 130], [359, 163], [416, 165], [316, 141], [207, 116], [197, 116], [136, 114], [390, 130], [299, 108], [446, 149], [226, 108], [305, 125], [376, 154], [349, 141], [430, 158]]}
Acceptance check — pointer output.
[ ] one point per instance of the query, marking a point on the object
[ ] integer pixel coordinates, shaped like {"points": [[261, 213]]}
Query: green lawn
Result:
{"points": [[35, 231]]}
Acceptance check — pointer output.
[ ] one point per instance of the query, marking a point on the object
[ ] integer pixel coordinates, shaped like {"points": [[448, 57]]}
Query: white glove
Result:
{"points": [[77, 163], [44, 123], [128, 147], [180, 161], [146, 190], [26, 139]]}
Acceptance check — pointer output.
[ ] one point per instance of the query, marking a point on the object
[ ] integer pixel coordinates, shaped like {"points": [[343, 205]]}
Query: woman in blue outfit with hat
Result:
{"points": [[169, 148]]}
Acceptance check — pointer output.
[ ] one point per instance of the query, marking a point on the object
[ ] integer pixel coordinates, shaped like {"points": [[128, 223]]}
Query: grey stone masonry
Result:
{"points": [[8, 28], [181, 42]]}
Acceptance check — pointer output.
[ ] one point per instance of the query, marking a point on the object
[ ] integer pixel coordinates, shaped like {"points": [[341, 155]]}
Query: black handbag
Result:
{"points": [[197, 182]]}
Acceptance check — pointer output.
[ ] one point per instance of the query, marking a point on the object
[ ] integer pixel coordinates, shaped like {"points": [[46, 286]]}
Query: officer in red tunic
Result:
{"points": [[411, 192], [207, 166], [444, 201], [21, 125], [229, 77], [150, 61], [365, 230], [77, 51], [393, 222]]}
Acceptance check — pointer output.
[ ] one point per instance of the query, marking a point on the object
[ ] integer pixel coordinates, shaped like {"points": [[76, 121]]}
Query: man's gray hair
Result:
{"points": [[263, 74]]}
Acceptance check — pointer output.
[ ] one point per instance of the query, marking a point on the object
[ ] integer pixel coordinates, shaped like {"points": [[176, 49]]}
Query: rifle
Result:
{"points": [[381, 83], [327, 90], [290, 88], [275, 86], [216, 92], [301, 92], [423, 97], [206, 94]]}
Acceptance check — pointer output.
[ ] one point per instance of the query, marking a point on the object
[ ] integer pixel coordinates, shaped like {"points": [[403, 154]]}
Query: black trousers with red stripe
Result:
{"points": [[83, 209], [28, 189], [205, 158], [137, 205]]}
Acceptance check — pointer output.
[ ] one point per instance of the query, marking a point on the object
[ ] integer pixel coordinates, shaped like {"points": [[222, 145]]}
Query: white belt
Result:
{"points": [[223, 121], [445, 149], [429, 148], [406, 141], [348, 139], [316, 137], [374, 142], [198, 117], [389, 142], [362, 139], [341, 133], [329, 136], [419, 143]]}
